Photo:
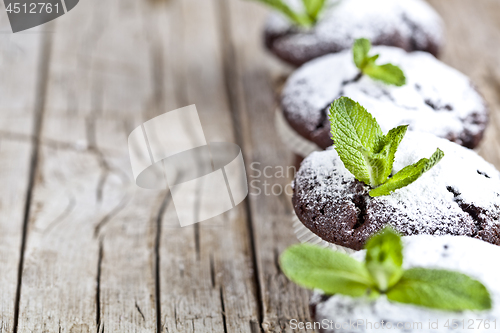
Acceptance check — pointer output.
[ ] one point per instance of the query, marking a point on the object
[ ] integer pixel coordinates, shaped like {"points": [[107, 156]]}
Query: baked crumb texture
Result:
{"points": [[411, 25], [436, 98], [458, 196]]}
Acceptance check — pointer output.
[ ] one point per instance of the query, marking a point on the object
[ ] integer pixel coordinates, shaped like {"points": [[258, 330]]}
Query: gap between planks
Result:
{"points": [[235, 105], [39, 107]]}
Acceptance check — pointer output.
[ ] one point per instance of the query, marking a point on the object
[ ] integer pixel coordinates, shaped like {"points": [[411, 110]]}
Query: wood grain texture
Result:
{"points": [[19, 94], [102, 255], [206, 276], [252, 75], [92, 248], [89, 261]]}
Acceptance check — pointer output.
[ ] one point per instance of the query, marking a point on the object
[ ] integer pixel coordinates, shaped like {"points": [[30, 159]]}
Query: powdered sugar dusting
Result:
{"points": [[476, 181], [469, 256], [436, 98], [411, 24], [458, 196]]}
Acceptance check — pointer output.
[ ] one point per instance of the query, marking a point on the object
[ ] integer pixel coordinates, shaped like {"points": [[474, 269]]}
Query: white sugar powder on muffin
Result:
{"points": [[436, 98], [410, 24], [468, 256]]}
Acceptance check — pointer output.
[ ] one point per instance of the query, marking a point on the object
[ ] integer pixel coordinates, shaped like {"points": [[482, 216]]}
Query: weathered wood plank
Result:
{"points": [[252, 75], [206, 276], [93, 242], [90, 256], [89, 261], [20, 72]]}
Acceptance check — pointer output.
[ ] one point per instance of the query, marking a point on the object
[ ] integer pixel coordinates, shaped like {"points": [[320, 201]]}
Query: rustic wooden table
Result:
{"points": [[82, 249]]}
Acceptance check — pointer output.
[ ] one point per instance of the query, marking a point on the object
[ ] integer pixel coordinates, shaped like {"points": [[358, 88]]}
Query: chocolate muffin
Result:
{"points": [[436, 98], [411, 25], [462, 254], [458, 196]]}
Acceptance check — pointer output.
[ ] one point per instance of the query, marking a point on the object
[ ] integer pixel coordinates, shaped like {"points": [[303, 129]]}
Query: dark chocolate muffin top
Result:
{"points": [[436, 98], [410, 24], [458, 196]]}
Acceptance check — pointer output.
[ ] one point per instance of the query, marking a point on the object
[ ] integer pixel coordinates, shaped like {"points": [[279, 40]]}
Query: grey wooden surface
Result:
{"points": [[82, 249]]}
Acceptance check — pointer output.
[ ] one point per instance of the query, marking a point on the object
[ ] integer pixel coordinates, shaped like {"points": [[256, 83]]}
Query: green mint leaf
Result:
{"points": [[300, 19], [313, 8], [384, 257], [379, 166], [357, 137], [440, 289], [408, 174], [371, 60], [360, 51], [383, 159], [393, 137], [333, 272], [388, 73]]}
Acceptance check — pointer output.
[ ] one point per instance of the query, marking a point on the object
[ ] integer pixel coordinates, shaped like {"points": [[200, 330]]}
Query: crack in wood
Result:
{"points": [[121, 205], [158, 221], [277, 261], [212, 270], [92, 143], [100, 185], [140, 311], [223, 310], [51, 143], [39, 110], [98, 287], [196, 230], [230, 78]]}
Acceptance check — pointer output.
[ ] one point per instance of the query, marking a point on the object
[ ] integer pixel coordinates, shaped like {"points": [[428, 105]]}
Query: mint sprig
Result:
{"points": [[382, 273], [388, 73], [369, 154], [312, 10]]}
